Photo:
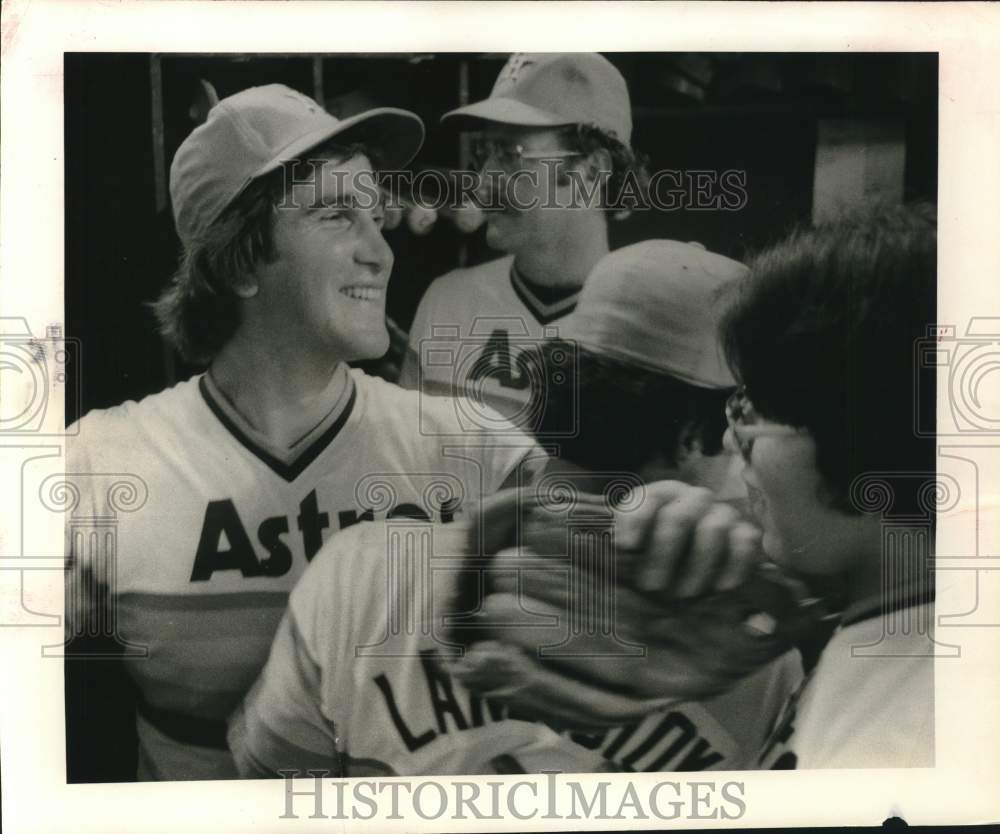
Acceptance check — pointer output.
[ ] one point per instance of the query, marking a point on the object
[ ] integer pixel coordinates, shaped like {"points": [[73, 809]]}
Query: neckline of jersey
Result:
{"points": [[543, 313], [287, 463]]}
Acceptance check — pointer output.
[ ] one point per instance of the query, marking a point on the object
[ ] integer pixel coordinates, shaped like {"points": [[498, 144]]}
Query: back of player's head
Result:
{"points": [[649, 374], [823, 336], [226, 179]]}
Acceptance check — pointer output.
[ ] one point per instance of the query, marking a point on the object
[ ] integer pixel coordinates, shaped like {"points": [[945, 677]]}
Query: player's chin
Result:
{"points": [[501, 229], [374, 345]]}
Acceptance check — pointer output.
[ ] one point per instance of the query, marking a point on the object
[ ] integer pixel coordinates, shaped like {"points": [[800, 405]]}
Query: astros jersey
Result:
{"points": [[351, 687], [471, 335], [868, 703], [221, 527]]}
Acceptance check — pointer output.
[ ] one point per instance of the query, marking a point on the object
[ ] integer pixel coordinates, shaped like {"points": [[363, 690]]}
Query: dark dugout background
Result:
{"points": [[126, 114]]}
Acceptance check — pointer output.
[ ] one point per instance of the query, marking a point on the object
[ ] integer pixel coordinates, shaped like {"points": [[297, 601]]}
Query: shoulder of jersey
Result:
{"points": [[358, 558], [115, 426], [481, 274], [385, 402]]}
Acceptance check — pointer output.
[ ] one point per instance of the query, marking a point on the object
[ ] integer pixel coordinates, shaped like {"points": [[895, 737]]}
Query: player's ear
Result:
{"points": [[246, 286], [598, 163]]}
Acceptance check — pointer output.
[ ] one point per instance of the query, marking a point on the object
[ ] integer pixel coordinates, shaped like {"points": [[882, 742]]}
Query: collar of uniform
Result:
{"points": [[544, 312], [288, 462]]}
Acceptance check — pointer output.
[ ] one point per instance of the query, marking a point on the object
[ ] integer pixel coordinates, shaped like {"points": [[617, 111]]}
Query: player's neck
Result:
{"points": [[280, 395], [568, 258]]}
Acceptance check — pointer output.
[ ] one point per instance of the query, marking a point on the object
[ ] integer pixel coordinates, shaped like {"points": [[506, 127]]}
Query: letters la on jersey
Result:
{"points": [[203, 567], [473, 335], [378, 703]]}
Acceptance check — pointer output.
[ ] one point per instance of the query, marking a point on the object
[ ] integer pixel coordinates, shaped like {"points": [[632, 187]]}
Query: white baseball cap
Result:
{"points": [[253, 132], [657, 304], [556, 89]]}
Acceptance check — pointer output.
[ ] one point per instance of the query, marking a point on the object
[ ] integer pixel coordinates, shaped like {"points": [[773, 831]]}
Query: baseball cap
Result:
{"points": [[251, 133], [657, 304], [556, 89]]}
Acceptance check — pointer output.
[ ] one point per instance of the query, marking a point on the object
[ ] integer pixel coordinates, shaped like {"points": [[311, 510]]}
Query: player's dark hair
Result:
{"points": [[823, 335], [629, 180], [624, 415], [198, 312]]}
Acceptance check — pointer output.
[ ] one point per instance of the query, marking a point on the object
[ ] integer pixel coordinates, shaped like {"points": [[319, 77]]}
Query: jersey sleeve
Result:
{"points": [[280, 726], [504, 457]]}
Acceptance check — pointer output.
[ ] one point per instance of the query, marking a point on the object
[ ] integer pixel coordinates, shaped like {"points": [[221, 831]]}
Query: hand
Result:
{"points": [[682, 543], [678, 542], [686, 606]]}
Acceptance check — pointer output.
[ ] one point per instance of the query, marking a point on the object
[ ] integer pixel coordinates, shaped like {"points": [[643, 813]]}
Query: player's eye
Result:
{"points": [[337, 219]]}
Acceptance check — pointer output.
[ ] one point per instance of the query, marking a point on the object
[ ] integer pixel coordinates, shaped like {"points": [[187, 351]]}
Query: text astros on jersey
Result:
{"points": [[203, 570], [471, 334], [350, 686]]}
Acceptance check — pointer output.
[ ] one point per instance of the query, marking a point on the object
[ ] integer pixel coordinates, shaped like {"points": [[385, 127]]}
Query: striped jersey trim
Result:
{"points": [[202, 602], [543, 313], [288, 471]]}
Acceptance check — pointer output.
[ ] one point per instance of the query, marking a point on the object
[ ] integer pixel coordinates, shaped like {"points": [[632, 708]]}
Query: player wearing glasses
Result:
{"points": [[551, 145], [345, 692], [822, 336]]}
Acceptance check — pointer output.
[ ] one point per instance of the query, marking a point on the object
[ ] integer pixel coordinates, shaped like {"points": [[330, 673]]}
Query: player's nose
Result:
{"points": [[373, 250], [489, 189]]}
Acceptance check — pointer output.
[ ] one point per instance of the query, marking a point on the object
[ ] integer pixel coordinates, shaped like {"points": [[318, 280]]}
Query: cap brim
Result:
{"points": [[394, 137], [708, 375], [506, 111]]}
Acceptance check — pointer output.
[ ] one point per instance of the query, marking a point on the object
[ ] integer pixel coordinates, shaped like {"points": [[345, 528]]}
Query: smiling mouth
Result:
{"points": [[363, 293]]}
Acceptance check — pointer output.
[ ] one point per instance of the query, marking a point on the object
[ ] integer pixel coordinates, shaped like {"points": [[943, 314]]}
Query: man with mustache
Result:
{"points": [[552, 148]]}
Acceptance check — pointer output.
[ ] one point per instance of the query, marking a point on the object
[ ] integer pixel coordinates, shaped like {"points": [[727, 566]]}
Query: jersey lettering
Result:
{"points": [[279, 555], [442, 696], [451, 712], [671, 742], [495, 363], [312, 523], [686, 749], [224, 543], [348, 518], [412, 742], [221, 518]]}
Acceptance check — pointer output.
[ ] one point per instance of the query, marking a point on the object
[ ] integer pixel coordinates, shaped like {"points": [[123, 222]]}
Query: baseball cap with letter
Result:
{"points": [[253, 132], [657, 304], [556, 89]]}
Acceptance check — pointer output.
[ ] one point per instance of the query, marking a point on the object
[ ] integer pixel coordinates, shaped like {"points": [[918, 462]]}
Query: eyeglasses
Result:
{"points": [[508, 155], [742, 418]]}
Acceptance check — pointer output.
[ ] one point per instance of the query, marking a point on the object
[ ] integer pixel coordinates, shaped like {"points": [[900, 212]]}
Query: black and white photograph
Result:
{"points": [[603, 430]]}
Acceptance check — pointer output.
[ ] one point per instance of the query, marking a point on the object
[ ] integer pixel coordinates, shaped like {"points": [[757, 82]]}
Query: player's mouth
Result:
{"points": [[364, 293]]}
